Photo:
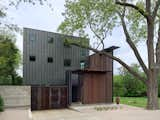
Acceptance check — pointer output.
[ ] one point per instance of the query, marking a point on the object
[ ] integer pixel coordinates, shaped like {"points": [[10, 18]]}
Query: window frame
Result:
{"points": [[32, 58], [50, 59], [67, 62]]}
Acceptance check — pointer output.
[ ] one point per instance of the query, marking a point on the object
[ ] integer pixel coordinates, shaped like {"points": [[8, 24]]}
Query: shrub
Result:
{"points": [[118, 86], [1, 104]]}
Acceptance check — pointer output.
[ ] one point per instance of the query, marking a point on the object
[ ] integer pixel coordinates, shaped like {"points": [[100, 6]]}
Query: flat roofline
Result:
{"points": [[111, 48], [53, 32]]}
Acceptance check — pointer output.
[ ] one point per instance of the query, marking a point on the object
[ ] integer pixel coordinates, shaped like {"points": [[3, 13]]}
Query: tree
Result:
{"points": [[133, 86], [9, 58], [139, 20], [118, 86]]}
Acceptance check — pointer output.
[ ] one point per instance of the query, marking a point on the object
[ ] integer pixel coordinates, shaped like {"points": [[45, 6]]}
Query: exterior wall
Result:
{"points": [[41, 72], [98, 85], [97, 88], [100, 62], [16, 96], [49, 97]]}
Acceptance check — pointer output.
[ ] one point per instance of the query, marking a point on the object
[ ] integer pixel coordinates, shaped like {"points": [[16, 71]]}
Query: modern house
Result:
{"points": [[60, 74], [46, 57]]}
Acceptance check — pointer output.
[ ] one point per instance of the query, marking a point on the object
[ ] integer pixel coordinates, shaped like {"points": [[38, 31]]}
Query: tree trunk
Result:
{"points": [[152, 91]]}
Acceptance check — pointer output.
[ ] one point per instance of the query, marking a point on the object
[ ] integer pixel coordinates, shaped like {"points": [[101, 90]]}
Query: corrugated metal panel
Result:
{"points": [[40, 72]]}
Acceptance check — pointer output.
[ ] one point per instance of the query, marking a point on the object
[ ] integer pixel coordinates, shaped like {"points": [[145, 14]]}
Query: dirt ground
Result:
{"points": [[98, 112]]}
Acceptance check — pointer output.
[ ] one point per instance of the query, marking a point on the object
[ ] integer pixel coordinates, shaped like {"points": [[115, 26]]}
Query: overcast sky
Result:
{"points": [[42, 18]]}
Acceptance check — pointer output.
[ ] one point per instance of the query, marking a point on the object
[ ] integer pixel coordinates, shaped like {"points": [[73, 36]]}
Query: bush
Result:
{"points": [[1, 104], [118, 86]]}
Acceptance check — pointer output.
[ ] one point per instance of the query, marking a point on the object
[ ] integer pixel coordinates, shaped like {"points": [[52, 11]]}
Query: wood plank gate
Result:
{"points": [[49, 97]]}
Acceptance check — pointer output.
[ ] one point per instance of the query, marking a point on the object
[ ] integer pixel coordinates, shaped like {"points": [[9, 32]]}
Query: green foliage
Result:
{"points": [[159, 85], [100, 17], [1, 104], [135, 101], [118, 86], [133, 86], [9, 59], [127, 85]]}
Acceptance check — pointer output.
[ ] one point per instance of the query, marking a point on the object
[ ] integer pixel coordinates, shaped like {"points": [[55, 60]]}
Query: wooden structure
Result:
{"points": [[91, 84], [96, 79], [49, 97]]}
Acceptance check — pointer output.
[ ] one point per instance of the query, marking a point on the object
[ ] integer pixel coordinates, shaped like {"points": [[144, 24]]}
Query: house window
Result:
{"points": [[83, 52], [32, 36], [50, 60], [50, 39], [67, 62], [32, 58], [82, 64]]}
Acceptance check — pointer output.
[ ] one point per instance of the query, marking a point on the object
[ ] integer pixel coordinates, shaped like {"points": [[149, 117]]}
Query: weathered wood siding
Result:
{"points": [[41, 72], [98, 85], [49, 97], [97, 88], [100, 62]]}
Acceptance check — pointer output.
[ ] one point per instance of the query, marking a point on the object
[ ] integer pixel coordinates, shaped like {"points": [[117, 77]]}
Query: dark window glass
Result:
{"points": [[50, 60], [67, 62], [50, 39], [32, 58]]}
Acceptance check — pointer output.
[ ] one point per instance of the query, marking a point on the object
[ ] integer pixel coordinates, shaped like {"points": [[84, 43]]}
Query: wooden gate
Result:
{"points": [[49, 97]]}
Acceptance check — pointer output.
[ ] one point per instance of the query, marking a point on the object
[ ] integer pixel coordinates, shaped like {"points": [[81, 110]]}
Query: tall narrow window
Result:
{"points": [[82, 64], [32, 58], [67, 62], [50, 60]]}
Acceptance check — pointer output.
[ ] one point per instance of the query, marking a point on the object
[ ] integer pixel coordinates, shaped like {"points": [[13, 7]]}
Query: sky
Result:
{"points": [[43, 18]]}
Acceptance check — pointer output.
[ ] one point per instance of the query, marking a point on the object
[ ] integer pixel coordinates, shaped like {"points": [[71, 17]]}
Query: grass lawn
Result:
{"points": [[135, 101]]}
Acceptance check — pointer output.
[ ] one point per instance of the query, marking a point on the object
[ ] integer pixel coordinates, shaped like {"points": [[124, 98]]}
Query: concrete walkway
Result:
{"points": [[98, 112], [16, 114], [88, 112]]}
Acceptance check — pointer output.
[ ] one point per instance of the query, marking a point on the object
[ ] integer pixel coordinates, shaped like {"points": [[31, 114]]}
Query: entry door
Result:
{"points": [[74, 86]]}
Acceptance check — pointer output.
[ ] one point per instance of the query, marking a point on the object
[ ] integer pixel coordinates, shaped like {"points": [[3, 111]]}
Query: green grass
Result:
{"points": [[135, 101]]}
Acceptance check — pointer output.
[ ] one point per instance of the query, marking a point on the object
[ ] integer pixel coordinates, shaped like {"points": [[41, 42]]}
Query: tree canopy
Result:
{"points": [[9, 59]]}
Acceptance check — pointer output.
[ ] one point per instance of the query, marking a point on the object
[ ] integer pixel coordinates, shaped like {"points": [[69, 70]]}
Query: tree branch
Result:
{"points": [[156, 9], [143, 79], [101, 39], [132, 45], [141, 11]]}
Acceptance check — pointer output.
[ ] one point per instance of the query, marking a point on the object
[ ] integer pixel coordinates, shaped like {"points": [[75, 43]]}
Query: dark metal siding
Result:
{"points": [[41, 72]]}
